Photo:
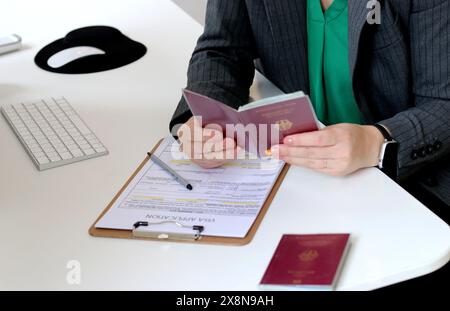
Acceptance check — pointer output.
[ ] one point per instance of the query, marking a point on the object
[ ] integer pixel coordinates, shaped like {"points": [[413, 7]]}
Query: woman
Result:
{"points": [[371, 82]]}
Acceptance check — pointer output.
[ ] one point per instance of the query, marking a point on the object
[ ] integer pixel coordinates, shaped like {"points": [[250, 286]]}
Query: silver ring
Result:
{"points": [[325, 162]]}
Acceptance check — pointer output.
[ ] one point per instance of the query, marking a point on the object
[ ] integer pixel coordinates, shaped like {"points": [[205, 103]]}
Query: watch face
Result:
{"points": [[390, 158]]}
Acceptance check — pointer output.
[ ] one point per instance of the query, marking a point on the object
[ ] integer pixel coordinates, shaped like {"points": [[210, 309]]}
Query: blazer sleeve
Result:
{"points": [[221, 66], [423, 132]]}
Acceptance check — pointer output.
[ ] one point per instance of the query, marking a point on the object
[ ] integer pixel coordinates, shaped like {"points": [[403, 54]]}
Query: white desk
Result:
{"points": [[45, 216]]}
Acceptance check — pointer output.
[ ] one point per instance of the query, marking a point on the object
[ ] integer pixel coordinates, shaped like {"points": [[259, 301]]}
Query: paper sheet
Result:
{"points": [[225, 200]]}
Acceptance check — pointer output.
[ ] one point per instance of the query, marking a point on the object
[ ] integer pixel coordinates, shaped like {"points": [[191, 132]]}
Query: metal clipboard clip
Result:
{"points": [[162, 230]]}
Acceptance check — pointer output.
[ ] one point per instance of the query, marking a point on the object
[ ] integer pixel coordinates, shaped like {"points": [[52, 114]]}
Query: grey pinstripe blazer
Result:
{"points": [[400, 69]]}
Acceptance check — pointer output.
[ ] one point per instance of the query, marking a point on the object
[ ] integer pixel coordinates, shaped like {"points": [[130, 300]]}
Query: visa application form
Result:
{"points": [[225, 200]]}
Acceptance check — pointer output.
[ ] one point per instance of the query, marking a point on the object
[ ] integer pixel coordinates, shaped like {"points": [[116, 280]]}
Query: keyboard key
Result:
{"points": [[46, 145], [61, 149], [66, 156], [37, 151], [100, 149], [51, 153], [39, 154], [54, 158], [43, 160], [89, 151], [93, 141], [77, 153], [85, 145]]}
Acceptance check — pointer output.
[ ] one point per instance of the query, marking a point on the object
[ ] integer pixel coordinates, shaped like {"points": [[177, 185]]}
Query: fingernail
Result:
{"points": [[275, 151], [288, 140]]}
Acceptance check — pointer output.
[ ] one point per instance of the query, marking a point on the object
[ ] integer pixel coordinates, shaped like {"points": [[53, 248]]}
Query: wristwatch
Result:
{"points": [[388, 153]]}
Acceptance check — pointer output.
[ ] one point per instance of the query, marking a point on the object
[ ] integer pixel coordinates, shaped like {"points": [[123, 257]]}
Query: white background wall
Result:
{"points": [[195, 8]]}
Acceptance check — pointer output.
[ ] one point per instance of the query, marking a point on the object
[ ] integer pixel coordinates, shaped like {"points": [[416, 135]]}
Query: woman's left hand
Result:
{"points": [[336, 150]]}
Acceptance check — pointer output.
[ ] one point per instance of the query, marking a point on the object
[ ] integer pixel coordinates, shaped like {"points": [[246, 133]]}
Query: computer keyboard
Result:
{"points": [[52, 132]]}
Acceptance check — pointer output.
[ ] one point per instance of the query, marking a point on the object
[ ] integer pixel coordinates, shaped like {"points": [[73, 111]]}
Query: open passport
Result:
{"points": [[260, 124]]}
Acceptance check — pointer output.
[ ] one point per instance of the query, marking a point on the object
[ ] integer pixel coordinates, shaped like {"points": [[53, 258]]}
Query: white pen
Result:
{"points": [[167, 168]]}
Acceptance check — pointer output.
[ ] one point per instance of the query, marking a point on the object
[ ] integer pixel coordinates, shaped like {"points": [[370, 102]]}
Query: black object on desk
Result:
{"points": [[117, 50]]}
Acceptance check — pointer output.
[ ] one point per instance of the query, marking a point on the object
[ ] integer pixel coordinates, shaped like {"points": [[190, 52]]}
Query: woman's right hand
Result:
{"points": [[206, 146]]}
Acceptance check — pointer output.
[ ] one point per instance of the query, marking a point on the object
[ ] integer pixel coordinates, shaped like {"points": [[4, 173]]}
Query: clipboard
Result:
{"points": [[193, 233]]}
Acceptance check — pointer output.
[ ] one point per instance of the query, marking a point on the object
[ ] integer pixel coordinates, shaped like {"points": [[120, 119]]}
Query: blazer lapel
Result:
{"points": [[357, 17], [287, 20]]}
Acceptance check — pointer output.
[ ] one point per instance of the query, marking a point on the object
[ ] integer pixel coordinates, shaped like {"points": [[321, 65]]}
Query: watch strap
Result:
{"points": [[384, 132]]}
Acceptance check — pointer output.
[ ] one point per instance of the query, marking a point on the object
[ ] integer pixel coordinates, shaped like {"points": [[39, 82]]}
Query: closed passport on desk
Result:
{"points": [[290, 113], [306, 262]]}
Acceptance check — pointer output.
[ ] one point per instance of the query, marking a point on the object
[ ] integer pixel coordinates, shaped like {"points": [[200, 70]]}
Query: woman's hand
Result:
{"points": [[206, 146], [336, 150]]}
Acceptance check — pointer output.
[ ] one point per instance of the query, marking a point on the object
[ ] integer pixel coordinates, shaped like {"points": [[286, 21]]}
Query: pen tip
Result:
{"points": [[189, 186]]}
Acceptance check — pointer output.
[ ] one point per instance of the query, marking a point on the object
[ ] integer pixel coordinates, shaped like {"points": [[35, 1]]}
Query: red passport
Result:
{"points": [[260, 124], [306, 262]]}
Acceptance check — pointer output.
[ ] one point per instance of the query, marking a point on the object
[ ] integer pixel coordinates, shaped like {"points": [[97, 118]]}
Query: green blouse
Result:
{"points": [[329, 74]]}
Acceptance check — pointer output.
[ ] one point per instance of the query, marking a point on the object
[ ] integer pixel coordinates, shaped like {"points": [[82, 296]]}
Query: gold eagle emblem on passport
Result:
{"points": [[308, 255], [284, 124]]}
